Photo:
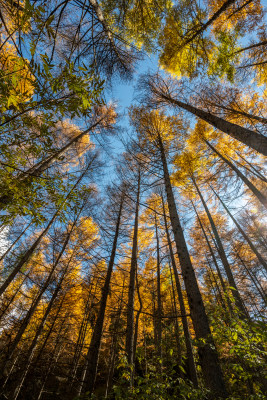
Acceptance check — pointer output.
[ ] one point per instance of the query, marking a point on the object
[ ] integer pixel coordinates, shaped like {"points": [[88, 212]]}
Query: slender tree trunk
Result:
{"points": [[131, 291], [246, 181], [114, 346], [207, 352], [176, 323], [252, 65], [82, 380], [257, 173], [37, 300], [32, 348], [81, 338], [53, 358], [214, 259], [227, 268], [242, 113], [15, 241], [27, 255], [259, 288], [252, 46], [215, 283], [137, 316], [93, 352], [246, 136], [187, 336], [5, 307], [159, 305], [223, 7], [245, 236]]}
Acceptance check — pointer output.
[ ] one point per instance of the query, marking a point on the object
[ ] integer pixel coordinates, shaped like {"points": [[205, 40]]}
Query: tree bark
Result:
{"points": [[93, 352], [187, 336], [213, 258], [246, 181], [252, 46], [15, 241], [27, 255], [36, 301], [243, 233], [227, 268], [159, 305], [176, 323], [131, 291], [224, 7], [246, 136], [208, 355]]}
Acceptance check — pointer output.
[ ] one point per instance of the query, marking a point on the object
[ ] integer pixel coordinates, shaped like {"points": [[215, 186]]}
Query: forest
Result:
{"points": [[133, 246]]}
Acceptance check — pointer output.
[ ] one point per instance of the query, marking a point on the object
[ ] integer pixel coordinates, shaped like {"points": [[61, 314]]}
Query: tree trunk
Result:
{"points": [[27, 255], [214, 259], [93, 352], [245, 236], [246, 136], [252, 46], [260, 289], [187, 336], [207, 352], [15, 241], [131, 291], [137, 316], [31, 350], [227, 268], [246, 181], [223, 7], [176, 323], [114, 346], [36, 301], [159, 305]]}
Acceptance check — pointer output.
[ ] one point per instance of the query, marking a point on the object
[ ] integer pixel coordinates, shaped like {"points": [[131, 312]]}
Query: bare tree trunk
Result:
{"points": [[32, 348], [223, 7], [93, 352], [36, 301], [176, 323], [131, 291], [214, 259], [211, 274], [53, 358], [246, 181], [15, 241], [259, 288], [227, 268], [250, 138], [245, 236], [252, 46], [137, 316], [187, 336], [27, 255], [159, 305], [113, 352], [207, 351]]}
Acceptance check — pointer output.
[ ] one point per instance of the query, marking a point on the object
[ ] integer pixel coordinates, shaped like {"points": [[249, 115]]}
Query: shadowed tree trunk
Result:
{"points": [[27, 255], [93, 352], [227, 268], [208, 355], [187, 336], [131, 291], [250, 138], [159, 304], [246, 181], [245, 236]]}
